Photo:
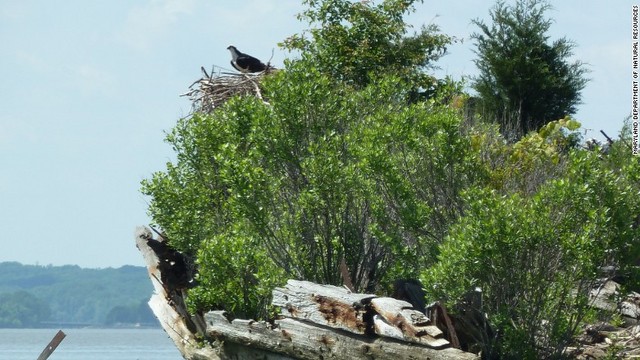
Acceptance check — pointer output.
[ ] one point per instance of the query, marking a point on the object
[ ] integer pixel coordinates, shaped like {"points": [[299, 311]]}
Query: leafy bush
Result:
{"points": [[522, 167], [322, 174], [376, 170], [536, 258], [342, 165], [353, 41]]}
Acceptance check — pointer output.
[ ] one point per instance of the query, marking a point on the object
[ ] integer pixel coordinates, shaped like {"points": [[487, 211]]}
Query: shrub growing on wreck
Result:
{"points": [[323, 174], [536, 257], [342, 165]]}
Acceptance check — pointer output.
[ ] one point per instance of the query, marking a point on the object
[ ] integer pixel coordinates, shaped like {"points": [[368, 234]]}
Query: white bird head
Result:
{"points": [[234, 52]]}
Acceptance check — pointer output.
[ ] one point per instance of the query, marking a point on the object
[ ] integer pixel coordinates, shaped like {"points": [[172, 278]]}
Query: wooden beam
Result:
{"points": [[290, 338], [53, 344]]}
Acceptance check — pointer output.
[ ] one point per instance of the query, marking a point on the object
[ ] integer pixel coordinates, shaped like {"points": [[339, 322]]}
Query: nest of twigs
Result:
{"points": [[213, 90]]}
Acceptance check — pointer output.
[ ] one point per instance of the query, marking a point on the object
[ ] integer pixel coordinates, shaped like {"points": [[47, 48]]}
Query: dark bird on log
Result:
{"points": [[175, 269], [245, 63], [410, 290]]}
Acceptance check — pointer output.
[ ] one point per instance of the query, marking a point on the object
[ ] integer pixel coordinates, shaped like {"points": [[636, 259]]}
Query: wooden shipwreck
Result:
{"points": [[316, 322]]}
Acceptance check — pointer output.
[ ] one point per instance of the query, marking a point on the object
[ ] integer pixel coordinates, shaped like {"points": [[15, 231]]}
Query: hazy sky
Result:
{"points": [[88, 88]]}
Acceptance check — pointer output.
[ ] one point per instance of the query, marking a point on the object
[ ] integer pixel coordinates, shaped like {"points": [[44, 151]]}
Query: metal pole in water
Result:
{"points": [[53, 344]]}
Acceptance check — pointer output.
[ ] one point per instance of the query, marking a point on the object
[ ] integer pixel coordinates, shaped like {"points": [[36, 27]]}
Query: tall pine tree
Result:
{"points": [[525, 80]]}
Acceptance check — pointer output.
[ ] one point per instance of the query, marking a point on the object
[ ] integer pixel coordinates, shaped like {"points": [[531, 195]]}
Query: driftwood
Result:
{"points": [[168, 305], [608, 297], [316, 322], [362, 314], [290, 338], [52, 346]]}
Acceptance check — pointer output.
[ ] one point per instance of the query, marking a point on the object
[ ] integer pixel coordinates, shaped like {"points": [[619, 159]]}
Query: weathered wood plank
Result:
{"points": [[249, 338], [323, 304], [291, 338], [397, 319], [327, 343], [359, 313]]}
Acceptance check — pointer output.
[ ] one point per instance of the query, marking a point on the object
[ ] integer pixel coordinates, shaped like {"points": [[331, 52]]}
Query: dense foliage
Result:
{"points": [[323, 174], [341, 167], [69, 294], [538, 257], [355, 42], [22, 309], [525, 81]]}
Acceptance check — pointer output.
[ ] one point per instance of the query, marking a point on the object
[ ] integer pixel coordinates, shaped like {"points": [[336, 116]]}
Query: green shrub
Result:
{"points": [[536, 258], [322, 174]]}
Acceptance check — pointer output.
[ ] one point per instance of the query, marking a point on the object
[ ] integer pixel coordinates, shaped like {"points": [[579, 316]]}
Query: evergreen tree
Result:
{"points": [[525, 81]]}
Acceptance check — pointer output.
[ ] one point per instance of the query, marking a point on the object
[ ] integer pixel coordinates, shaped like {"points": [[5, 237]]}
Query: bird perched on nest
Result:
{"points": [[245, 63]]}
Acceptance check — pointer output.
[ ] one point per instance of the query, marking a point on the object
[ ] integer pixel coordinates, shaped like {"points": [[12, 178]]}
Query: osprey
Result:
{"points": [[245, 63]]}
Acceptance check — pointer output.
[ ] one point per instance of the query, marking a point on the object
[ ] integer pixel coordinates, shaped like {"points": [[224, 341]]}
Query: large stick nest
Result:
{"points": [[213, 90]]}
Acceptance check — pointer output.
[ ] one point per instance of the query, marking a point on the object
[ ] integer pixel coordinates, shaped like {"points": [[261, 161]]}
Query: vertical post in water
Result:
{"points": [[53, 344]]}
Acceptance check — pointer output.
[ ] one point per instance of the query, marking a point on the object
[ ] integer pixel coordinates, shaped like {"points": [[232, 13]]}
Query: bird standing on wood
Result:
{"points": [[410, 290], [245, 63]]}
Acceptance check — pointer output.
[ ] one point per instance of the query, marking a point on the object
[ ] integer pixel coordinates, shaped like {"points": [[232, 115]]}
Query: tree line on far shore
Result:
{"points": [[41, 296]]}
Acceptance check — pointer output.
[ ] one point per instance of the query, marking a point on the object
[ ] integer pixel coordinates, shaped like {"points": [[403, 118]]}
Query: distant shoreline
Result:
{"points": [[86, 326]]}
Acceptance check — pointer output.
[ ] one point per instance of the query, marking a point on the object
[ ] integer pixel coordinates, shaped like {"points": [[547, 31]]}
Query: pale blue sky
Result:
{"points": [[87, 89]]}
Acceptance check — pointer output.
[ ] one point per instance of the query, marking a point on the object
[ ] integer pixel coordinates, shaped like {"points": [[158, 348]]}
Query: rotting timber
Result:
{"points": [[315, 322]]}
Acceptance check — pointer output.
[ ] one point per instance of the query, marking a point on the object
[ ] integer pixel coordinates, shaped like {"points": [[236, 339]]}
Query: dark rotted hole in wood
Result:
{"points": [[367, 317], [336, 312], [364, 305]]}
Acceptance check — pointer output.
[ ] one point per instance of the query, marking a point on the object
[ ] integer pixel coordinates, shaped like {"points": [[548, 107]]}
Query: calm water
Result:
{"points": [[89, 344]]}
